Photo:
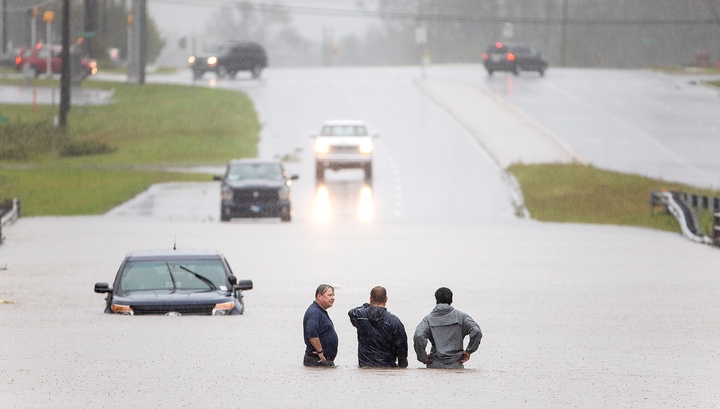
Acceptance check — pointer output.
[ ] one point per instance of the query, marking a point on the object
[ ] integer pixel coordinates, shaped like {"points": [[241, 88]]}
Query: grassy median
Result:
{"points": [[584, 194], [110, 153]]}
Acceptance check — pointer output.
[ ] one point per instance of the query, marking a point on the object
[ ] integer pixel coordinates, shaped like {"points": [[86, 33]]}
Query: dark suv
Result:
{"points": [[513, 57], [255, 188], [226, 59]]}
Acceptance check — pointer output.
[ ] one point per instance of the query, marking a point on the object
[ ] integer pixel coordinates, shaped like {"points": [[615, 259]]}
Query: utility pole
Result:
{"points": [[4, 26], [563, 46], [137, 42], [90, 26], [65, 70], [33, 26]]}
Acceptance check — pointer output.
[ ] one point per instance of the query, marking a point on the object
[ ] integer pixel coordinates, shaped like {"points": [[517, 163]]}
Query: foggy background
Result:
{"points": [[574, 33]]}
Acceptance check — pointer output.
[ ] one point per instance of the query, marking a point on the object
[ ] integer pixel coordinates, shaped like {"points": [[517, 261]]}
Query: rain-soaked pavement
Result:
{"points": [[572, 315]]}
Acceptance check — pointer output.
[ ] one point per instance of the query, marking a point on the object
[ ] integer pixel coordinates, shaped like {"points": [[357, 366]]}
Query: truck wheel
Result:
{"points": [[224, 217], [286, 216], [197, 74], [221, 71], [368, 171], [255, 71], [319, 171]]}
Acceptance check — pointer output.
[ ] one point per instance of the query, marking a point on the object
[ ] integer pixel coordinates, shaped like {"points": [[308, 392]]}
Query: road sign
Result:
{"points": [[86, 34]]}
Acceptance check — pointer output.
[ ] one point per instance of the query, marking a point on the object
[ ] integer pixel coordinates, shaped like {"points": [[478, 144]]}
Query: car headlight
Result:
{"points": [[122, 309], [366, 147], [223, 308], [226, 193], [284, 193], [321, 147], [191, 60], [212, 61]]}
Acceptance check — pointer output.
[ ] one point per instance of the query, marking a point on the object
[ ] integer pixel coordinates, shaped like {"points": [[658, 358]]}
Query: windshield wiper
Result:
{"points": [[201, 278], [172, 277]]}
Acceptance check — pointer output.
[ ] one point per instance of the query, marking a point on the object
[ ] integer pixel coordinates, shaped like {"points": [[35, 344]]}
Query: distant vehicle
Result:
{"points": [[255, 188], [8, 59], [227, 59], [513, 57], [175, 282], [35, 58], [343, 144]]}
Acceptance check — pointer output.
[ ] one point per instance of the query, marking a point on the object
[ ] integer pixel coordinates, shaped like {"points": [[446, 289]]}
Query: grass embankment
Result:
{"points": [[110, 153], [584, 194]]}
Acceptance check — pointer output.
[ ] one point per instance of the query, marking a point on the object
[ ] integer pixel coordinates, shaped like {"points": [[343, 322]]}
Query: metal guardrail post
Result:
{"points": [[716, 229], [11, 215]]}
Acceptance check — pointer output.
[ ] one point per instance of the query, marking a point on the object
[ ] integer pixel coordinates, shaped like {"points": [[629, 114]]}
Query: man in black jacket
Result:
{"points": [[382, 341]]}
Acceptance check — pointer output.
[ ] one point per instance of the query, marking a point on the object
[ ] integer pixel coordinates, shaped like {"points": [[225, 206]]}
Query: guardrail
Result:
{"points": [[10, 210], [685, 207]]}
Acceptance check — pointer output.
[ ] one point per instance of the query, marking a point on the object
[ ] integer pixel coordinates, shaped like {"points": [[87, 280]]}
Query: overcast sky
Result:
{"points": [[178, 18]]}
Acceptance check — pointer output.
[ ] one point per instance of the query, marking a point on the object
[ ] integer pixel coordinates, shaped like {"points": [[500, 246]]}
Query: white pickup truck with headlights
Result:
{"points": [[343, 144]]}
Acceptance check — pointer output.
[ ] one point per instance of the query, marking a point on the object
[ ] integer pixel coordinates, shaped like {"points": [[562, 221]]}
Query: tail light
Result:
{"points": [[511, 57]]}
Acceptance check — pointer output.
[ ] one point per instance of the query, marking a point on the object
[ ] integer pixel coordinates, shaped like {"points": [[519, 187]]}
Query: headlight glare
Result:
{"points": [[321, 147], [212, 61], [191, 60], [366, 147]]}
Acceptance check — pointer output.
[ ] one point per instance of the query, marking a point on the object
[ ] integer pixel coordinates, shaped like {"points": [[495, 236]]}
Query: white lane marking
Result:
{"points": [[642, 134]]}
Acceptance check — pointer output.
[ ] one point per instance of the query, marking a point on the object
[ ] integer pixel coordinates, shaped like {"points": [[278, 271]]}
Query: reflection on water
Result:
{"points": [[336, 200], [510, 81], [321, 211], [365, 207]]}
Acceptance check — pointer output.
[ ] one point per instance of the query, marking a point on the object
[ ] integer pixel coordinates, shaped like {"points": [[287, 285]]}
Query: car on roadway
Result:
{"points": [[35, 59], [343, 144], [174, 282], [228, 58], [513, 57], [256, 188]]}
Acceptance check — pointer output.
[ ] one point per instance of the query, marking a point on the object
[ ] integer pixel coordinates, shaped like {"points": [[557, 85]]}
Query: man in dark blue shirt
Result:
{"points": [[321, 340], [382, 341]]}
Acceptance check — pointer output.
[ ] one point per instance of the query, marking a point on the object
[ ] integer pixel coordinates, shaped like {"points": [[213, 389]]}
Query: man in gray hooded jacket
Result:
{"points": [[446, 328]]}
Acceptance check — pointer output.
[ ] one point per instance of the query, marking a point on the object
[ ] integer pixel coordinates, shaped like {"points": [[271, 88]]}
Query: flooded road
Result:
{"points": [[572, 315]]}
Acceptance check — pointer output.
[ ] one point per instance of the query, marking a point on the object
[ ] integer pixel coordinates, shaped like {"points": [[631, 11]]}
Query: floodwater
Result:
{"points": [[572, 315]]}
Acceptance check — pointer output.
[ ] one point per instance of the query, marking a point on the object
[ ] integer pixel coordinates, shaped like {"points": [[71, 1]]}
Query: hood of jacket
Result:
{"points": [[442, 315], [376, 314]]}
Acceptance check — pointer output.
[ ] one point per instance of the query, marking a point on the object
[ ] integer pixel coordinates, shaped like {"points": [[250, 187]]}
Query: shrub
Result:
{"points": [[82, 148], [22, 141]]}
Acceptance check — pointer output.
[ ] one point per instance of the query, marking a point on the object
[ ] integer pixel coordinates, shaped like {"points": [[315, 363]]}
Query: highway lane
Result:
{"points": [[632, 121], [426, 167]]}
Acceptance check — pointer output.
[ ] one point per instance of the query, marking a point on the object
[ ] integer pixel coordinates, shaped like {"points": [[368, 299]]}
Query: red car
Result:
{"points": [[36, 59]]}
